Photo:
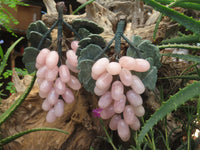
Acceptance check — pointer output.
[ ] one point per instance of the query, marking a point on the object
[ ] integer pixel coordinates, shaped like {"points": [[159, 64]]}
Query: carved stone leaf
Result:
{"points": [[35, 38], [83, 32], [89, 25], [29, 58], [84, 75], [146, 49], [90, 52], [38, 26], [149, 77]]}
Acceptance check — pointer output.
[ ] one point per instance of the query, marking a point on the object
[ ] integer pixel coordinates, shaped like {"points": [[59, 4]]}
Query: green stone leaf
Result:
{"points": [[29, 58], [146, 49], [83, 32], [84, 75], [149, 77], [90, 52], [38, 26], [89, 25], [35, 38]]}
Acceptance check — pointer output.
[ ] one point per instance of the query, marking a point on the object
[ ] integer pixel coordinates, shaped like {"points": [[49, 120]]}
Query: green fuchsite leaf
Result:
{"points": [[35, 38], [149, 52], [29, 58], [37, 26], [89, 25], [84, 75], [90, 52], [83, 32]]}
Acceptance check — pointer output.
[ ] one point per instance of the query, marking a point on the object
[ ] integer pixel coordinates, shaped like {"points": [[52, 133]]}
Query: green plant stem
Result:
{"points": [[74, 31], [157, 25], [109, 139], [3, 63], [13, 137], [17, 103], [189, 77], [82, 6]]}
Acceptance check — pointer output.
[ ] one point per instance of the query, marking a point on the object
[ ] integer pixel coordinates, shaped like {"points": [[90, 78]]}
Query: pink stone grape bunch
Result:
{"points": [[56, 82], [120, 99]]}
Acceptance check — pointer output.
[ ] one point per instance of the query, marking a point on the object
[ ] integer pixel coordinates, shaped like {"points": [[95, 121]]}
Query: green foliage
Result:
{"points": [[171, 104], [185, 39], [184, 20], [183, 46], [5, 16], [5, 58], [20, 134], [82, 6], [192, 58], [149, 52]]}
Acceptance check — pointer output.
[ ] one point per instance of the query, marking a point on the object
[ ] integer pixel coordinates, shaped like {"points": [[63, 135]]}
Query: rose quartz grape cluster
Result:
{"points": [[113, 99], [56, 82]]}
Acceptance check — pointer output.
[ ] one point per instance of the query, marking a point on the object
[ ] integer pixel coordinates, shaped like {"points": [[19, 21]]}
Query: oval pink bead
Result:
{"points": [[52, 59], [52, 97], [136, 125], [117, 90], [142, 65], [139, 111], [137, 85], [41, 57], [51, 117], [114, 121], [129, 114], [127, 62], [104, 81], [59, 108], [99, 67], [113, 68], [43, 94], [74, 45], [46, 106], [40, 80], [72, 68], [74, 83], [100, 92], [72, 58], [105, 100], [134, 98], [68, 96], [60, 86], [46, 86], [120, 105], [126, 77], [51, 74], [108, 112], [38, 66], [64, 73], [41, 73], [123, 130]]}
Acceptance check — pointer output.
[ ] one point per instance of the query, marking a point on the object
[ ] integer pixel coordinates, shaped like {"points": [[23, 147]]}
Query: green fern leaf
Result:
{"points": [[171, 104]]}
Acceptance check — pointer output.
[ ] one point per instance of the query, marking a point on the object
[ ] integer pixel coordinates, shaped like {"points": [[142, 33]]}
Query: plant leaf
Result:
{"points": [[5, 58], [18, 135], [171, 104], [184, 46], [189, 23], [192, 58], [17, 103]]}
